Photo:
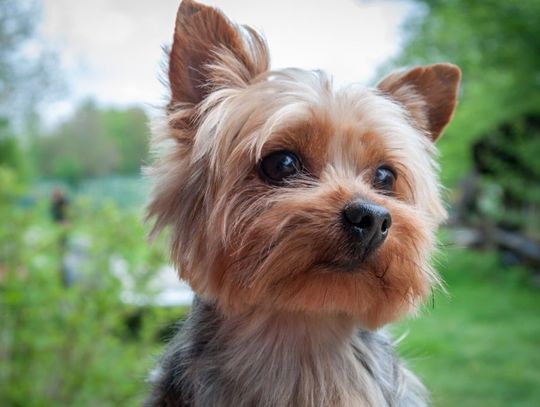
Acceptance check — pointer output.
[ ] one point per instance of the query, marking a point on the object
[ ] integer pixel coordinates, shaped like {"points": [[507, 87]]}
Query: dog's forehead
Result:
{"points": [[347, 126], [371, 129], [351, 128]]}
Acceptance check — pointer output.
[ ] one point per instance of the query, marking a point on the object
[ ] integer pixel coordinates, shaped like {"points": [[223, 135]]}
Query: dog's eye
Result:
{"points": [[384, 178], [277, 167]]}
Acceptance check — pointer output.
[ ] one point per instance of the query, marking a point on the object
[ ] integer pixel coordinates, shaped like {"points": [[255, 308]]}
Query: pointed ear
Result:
{"points": [[209, 52], [429, 93]]}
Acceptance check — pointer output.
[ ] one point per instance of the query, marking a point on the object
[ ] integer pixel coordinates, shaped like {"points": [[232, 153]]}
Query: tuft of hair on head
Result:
{"points": [[428, 93]]}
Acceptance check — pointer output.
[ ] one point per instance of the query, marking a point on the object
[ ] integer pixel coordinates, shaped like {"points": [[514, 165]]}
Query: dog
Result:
{"points": [[302, 216]]}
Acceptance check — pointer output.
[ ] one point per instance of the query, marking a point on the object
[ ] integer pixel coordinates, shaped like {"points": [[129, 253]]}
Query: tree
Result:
{"points": [[495, 136], [26, 74], [10, 153], [94, 142], [128, 130], [25, 79], [497, 45]]}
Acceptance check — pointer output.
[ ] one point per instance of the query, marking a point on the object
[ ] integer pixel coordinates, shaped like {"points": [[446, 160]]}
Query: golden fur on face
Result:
{"points": [[246, 244]]}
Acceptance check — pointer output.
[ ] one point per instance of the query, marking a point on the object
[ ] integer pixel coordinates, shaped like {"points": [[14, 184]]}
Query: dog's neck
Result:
{"points": [[283, 359], [294, 359]]}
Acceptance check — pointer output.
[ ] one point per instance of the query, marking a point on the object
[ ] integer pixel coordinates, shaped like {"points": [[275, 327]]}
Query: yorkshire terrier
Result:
{"points": [[302, 216]]}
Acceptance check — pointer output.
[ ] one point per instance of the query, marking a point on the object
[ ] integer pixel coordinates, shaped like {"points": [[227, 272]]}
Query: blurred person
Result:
{"points": [[59, 214]]}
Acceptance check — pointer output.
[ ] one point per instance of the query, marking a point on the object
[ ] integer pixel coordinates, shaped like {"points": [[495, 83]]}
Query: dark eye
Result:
{"points": [[277, 167], [384, 179]]}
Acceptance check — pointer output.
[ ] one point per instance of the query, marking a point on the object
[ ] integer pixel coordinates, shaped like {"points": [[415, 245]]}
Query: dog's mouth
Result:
{"points": [[357, 264], [357, 260]]}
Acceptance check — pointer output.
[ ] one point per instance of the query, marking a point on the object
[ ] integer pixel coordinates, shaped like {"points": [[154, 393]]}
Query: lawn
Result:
{"points": [[478, 345]]}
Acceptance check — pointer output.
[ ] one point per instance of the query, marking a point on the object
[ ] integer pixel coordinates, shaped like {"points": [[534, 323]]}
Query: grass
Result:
{"points": [[480, 344]]}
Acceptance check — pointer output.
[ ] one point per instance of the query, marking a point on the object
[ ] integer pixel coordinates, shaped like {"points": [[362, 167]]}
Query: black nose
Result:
{"points": [[367, 223]]}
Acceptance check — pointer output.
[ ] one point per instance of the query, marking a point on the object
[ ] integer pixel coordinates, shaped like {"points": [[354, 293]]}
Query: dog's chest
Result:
{"points": [[218, 363]]}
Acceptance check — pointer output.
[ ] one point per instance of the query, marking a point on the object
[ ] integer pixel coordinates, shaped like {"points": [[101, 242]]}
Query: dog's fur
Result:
{"points": [[286, 314]]}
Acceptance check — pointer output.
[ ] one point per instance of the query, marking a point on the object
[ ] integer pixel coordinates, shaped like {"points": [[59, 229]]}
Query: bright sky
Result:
{"points": [[111, 49]]}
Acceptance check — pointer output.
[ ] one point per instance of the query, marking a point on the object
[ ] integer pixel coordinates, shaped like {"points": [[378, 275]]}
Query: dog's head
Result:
{"points": [[285, 193]]}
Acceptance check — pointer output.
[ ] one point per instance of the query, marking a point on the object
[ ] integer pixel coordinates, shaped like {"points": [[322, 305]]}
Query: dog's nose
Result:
{"points": [[367, 223]]}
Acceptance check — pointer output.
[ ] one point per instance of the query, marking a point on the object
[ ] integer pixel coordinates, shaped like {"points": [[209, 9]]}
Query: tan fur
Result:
{"points": [[260, 252]]}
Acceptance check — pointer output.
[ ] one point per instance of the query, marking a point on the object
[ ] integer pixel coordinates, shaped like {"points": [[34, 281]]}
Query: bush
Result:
{"points": [[72, 345]]}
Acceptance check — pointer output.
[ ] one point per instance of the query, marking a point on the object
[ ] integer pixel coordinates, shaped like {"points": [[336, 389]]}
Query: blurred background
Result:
{"points": [[86, 303]]}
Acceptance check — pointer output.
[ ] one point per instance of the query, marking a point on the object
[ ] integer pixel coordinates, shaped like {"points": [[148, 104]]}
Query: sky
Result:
{"points": [[111, 50]]}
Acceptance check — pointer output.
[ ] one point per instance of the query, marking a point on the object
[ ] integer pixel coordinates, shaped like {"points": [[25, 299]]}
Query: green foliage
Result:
{"points": [[10, 152], [511, 175], [477, 346], [93, 143], [496, 45], [72, 345], [129, 131]]}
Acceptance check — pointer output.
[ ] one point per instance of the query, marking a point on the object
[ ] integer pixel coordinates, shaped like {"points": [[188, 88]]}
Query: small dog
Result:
{"points": [[302, 216]]}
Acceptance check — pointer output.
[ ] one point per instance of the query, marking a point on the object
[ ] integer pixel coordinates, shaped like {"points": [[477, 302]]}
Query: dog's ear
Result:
{"points": [[210, 52], [429, 93]]}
